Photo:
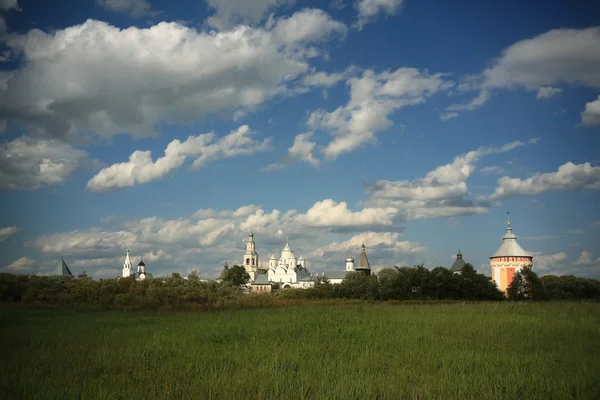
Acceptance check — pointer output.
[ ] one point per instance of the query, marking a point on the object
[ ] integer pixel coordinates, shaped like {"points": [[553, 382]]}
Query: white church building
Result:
{"points": [[288, 271], [128, 269]]}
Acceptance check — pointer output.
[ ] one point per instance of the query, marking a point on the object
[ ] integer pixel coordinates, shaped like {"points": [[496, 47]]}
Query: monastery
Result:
{"points": [[289, 271]]}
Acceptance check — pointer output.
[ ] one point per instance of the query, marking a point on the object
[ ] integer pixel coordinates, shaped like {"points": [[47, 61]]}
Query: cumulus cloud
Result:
{"points": [[369, 9], [547, 92], [329, 214], [141, 169], [373, 97], [559, 56], [568, 177], [7, 232], [302, 150], [136, 8], [441, 193], [324, 79], [30, 163], [591, 115], [23, 264], [585, 258], [229, 13], [385, 241], [548, 263], [134, 78]]}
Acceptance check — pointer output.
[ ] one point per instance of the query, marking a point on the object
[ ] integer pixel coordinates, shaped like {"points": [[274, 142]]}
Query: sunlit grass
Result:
{"points": [[344, 351]]}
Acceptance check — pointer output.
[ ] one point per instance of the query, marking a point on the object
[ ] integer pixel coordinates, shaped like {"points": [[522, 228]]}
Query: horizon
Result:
{"points": [[176, 129]]}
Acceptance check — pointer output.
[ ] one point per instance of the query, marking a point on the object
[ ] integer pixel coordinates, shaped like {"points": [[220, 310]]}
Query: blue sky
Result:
{"points": [[174, 130]]}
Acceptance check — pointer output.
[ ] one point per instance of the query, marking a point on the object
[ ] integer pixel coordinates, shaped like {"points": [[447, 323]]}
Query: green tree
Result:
{"points": [[526, 285], [236, 275]]}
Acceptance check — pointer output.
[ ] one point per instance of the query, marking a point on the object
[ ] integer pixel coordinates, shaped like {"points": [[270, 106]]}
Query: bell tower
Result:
{"points": [[250, 260]]}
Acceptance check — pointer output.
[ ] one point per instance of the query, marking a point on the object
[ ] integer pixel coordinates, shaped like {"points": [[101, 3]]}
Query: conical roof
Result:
{"points": [[510, 247], [224, 272], [141, 263], [62, 269], [459, 263], [363, 261]]}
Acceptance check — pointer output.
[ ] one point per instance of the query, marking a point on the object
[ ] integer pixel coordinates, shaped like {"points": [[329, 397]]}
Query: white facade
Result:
{"points": [[127, 268], [288, 271], [129, 271], [250, 260]]}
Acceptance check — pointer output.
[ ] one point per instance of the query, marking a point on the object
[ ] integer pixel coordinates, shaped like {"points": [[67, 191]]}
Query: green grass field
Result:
{"points": [[347, 350]]}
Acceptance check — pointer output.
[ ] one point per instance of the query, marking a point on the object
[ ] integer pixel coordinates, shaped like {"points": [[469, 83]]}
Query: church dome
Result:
{"points": [[350, 259], [141, 264], [510, 247], [273, 256], [301, 258]]}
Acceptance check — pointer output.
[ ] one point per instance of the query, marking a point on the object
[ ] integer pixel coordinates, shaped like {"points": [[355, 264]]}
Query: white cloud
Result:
{"points": [[7, 232], [229, 13], [441, 193], [323, 79], [547, 92], [544, 264], [93, 243], [369, 9], [6, 5], [386, 241], [373, 97], [132, 79], [475, 103], [21, 265], [591, 115], [447, 116], [492, 169], [559, 56], [29, 163], [308, 26], [136, 8], [568, 177], [302, 149], [585, 258], [141, 169], [329, 214]]}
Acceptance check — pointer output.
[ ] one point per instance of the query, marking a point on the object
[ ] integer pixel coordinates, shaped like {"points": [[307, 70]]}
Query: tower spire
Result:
{"points": [[508, 216]]}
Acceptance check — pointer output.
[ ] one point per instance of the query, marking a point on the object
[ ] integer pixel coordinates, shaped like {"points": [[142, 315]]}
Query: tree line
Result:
{"points": [[176, 292]]}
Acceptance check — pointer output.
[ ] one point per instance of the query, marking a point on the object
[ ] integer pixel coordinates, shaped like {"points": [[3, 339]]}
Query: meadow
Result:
{"points": [[320, 350]]}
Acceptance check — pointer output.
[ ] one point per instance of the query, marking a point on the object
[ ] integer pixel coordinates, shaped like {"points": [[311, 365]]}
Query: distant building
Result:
{"points": [[288, 271], [261, 285], [223, 273], [62, 269], [459, 263], [128, 270], [363, 262], [363, 266], [509, 259], [250, 260]]}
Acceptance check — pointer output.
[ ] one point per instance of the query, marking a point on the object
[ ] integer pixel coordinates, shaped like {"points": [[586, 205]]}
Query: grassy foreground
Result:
{"points": [[347, 350]]}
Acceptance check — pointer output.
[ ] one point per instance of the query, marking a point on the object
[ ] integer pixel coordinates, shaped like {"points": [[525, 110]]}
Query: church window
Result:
{"points": [[253, 261], [247, 261]]}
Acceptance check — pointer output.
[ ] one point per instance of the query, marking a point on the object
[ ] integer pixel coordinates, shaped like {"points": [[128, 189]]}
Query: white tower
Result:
{"points": [[141, 269], [349, 262], [127, 271], [250, 260]]}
